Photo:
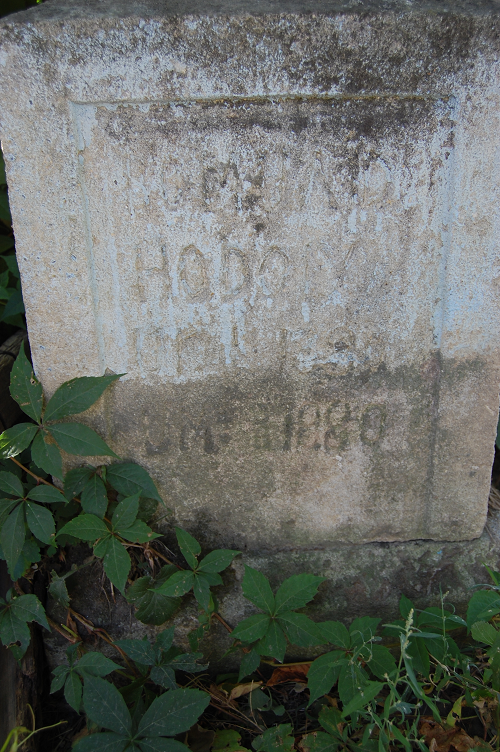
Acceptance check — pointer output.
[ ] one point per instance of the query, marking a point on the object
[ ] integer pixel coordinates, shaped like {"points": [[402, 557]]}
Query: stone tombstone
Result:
{"points": [[280, 220]]}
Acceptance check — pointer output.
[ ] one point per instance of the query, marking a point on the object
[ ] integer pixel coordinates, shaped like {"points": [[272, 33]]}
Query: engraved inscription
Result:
{"points": [[266, 235]]}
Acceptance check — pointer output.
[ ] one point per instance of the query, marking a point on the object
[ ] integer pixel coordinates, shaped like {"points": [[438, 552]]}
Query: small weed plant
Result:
{"points": [[428, 681]]}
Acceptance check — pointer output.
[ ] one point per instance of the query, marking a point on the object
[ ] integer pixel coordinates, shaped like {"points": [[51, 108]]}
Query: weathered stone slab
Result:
{"points": [[280, 220]]}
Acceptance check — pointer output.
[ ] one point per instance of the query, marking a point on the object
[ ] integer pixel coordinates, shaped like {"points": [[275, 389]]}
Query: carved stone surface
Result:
{"points": [[280, 221]]}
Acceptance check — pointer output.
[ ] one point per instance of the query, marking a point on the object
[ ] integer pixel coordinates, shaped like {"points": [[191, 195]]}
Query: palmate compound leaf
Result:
{"points": [[96, 664], [40, 522], [15, 440], [25, 387], [251, 629], [47, 456], [217, 560], [77, 395], [125, 513], [107, 741], [86, 527], [297, 591], [76, 479], [174, 712], [257, 589], [274, 642], [29, 608], [249, 663], [105, 706], [128, 479], [12, 536], [76, 438], [275, 739], [178, 584], [324, 673], [152, 606], [47, 495], [300, 630], [139, 651], [94, 497], [116, 562], [12, 631], [11, 484], [335, 633], [189, 546]]}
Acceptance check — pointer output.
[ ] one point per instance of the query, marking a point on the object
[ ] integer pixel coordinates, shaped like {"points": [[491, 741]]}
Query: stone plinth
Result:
{"points": [[280, 220]]}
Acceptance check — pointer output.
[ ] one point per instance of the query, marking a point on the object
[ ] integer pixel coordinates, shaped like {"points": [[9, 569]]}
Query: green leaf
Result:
{"points": [[30, 553], [11, 484], [14, 630], [94, 497], [77, 395], [249, 663], [275, 739], [6, 507], [29, 608], [40, 522], [380, 661], [218, 560], [117, 564], [366, 693], [12, 536], [75, 480], [482, 606], [323, 674], [4, 208], [201, 591], [363, 629], [14, 305], [177, 585], [186, 662], [75, 438], [320, 742], [335, 633], [273, 643], [484, 632], [58, 589], [47, 495], [102, 546], [25, 387], [352, 678], [189, 546], [257, 589], [419, 655], [103, 742], [297, 591], [47, 456], [156, 608], [105, 706], [161, 744], [96, 664], [139, 532], [15, 440], [330, 718], [128, 479], [73, 691], [11, 263], [125, 513], [299, 629], [251, 629], [164, 676], [60, 674], [174, 712], [86, 527], [405, 606], [6, 243], [139, 650], [153, 607]]}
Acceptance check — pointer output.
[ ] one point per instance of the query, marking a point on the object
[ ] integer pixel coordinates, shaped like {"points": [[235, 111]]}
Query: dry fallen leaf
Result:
{"points": [[244, 689], [283, 674], [439, 739]]}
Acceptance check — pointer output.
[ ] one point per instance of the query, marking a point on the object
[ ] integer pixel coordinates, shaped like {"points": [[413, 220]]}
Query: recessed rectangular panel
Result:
{"points": [[265, 234]]}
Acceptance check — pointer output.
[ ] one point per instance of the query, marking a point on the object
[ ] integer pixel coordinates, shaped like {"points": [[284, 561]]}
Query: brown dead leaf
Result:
{"points": [[244, 689], [439, 739], [283, 674]]}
